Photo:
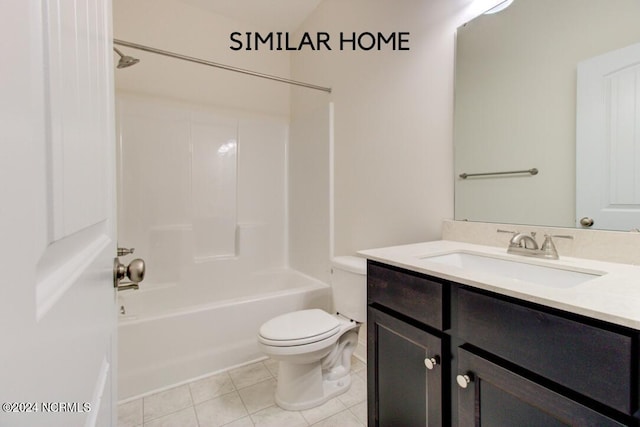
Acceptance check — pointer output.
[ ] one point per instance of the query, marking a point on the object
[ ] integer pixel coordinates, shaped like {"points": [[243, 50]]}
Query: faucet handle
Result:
{"points": [[549, 248], [559, 236], [513, 235]]}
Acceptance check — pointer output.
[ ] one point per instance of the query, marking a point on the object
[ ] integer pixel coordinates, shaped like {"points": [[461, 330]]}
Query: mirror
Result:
{"points": [[515, 109]]}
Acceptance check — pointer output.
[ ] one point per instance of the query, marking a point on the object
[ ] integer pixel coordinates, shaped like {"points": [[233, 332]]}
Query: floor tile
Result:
{"points": [[130, 414], [242, 422], [166, 402], [275, 416], [360, 411], [272, 366], [357, 365], [342, 419], [259, 396], [210, 387], [183, 418], [244, 397], [221, 410], [323, 411], [249, 375], [357, 393]]}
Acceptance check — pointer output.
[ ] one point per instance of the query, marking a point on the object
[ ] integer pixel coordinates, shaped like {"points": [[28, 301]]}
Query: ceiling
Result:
{"points": [[275, 15]]}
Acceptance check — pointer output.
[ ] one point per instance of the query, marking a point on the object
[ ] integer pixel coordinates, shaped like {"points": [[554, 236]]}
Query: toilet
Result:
{"points": [[314, 347]]}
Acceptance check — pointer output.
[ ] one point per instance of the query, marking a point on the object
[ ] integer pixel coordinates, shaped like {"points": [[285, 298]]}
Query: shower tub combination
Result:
{"points": [[202, 196], [168, 336]]}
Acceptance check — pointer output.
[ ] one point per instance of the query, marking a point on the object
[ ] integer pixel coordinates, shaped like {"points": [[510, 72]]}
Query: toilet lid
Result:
{"points": [[300, 327]]}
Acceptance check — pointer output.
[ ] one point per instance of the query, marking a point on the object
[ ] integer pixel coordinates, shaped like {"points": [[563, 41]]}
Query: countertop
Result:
{"points": [[613, 297]]}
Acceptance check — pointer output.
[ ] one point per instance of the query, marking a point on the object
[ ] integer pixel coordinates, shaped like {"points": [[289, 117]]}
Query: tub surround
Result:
{"points": [[613, 297], [187, 172]]}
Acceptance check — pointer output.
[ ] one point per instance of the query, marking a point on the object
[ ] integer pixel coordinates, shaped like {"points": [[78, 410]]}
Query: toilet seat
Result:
{"points": [[299, 328]]}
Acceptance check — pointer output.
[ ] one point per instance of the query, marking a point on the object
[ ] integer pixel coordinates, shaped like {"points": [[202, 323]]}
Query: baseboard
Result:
{"points": [[361, 352]]}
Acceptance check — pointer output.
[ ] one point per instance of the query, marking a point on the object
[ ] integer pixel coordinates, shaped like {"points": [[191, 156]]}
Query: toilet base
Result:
{"points": [[306, 385], [311, 374], [330, 389]]}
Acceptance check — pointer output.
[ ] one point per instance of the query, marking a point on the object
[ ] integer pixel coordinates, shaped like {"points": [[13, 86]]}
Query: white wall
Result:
{"points": [[393, 120], [309, 192]]}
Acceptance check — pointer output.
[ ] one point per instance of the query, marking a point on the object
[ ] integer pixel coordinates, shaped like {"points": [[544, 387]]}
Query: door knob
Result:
{"points": [[586, 221], [134, 271], [431, 362], [464, 380]]}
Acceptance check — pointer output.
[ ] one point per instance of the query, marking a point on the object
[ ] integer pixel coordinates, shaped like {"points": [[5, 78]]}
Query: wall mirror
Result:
{"points": [[552, 85]]}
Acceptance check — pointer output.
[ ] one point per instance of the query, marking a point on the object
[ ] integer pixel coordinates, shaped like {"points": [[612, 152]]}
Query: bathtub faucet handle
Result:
{"points": [[125, 251]]}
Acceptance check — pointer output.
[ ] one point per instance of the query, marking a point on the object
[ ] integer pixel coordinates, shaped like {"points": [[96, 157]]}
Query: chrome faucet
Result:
{"points": [[524, 244], [524, 241], [548, 248]]}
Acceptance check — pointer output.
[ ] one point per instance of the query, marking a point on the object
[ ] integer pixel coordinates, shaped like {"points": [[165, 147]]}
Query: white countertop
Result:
{"points": [[613, 297]]}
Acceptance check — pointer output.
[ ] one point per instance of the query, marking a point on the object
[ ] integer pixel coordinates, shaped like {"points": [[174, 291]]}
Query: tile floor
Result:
{"points": [[243, 397]]}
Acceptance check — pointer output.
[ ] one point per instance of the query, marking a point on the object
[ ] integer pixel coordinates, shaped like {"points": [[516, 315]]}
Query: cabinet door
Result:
{"points": [[404, 373], [492, 396], [595, 362]]}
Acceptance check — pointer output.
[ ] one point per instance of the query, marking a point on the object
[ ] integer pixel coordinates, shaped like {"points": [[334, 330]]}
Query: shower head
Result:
{"points": [[125, 60]]}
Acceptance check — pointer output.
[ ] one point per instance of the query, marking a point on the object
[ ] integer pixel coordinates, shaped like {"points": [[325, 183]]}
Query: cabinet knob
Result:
{"points": [[431, 362], [464, 380]]}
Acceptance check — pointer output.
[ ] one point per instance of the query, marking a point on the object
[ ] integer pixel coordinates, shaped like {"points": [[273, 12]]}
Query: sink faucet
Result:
{"points": [[524, 244], [521, 240]]}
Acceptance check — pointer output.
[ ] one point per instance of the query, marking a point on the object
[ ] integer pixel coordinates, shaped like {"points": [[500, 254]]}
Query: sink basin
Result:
{"points": [[540, 274]]}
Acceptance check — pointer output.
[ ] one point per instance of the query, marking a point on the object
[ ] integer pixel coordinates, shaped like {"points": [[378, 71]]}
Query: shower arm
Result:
{"points": [[218, 65]]}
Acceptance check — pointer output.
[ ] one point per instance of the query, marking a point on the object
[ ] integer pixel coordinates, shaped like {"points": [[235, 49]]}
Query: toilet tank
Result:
{"points": [[349, 285]]}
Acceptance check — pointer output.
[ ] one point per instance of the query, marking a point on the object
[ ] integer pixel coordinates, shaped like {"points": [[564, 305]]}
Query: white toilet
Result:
{"points": [[314, 347]]}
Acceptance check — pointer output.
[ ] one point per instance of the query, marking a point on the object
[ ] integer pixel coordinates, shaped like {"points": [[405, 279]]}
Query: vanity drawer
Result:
{"points": [[406, 292], [595, 362]]}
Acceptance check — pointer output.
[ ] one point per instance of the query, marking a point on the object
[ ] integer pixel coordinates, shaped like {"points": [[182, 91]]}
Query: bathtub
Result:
{"points": [[173, 333]]}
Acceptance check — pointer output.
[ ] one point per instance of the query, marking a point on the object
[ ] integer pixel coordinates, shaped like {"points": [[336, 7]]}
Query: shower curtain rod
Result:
{"points": [[218, 65]]}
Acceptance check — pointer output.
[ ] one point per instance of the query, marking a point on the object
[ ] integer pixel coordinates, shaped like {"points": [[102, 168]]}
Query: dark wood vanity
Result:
{"points": [[446, 354]]}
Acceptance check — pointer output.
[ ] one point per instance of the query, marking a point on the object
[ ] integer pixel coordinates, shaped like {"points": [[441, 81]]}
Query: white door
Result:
{"points": [[57, 301], [608, 140]]}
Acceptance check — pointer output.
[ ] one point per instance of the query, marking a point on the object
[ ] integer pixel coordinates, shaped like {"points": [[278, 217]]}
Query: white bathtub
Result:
{"points": [[173, 333]]}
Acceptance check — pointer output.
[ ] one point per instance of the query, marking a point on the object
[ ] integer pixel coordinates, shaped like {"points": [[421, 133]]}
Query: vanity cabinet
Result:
{"points": [[492, 395], [500, 361], [405, 361], [404, 351], [581, 357]]}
